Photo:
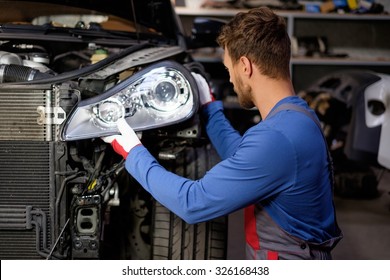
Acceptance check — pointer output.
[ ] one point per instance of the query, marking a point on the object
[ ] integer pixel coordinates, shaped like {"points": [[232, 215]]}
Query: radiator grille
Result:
{"points": [[17, 245], [24, 181], [18, 114]]}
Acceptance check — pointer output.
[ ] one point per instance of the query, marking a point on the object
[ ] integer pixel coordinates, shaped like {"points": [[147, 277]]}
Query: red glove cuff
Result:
{"points": [[119, 149], [212, 99], [212, 96]]}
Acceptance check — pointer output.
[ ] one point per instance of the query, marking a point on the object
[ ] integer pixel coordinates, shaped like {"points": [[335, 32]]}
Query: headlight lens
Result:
{"points": [[157, 96]]}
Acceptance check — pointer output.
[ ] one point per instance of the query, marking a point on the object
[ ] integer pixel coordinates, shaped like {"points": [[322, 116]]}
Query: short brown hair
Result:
{"points": [[260, 35]]}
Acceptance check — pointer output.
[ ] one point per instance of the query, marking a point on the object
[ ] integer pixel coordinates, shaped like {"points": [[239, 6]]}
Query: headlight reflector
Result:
{"points": [[109, 112]]}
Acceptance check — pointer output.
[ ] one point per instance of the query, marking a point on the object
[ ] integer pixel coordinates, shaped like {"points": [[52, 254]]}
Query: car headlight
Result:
{"points": [[157, 96]]}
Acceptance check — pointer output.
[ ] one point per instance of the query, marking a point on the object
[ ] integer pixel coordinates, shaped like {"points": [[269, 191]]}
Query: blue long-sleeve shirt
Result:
{"points": [[281, 163]]}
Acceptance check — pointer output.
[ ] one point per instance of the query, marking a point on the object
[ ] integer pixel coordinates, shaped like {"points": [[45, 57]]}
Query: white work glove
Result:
{"points": [[205, 94], [125, 141]]}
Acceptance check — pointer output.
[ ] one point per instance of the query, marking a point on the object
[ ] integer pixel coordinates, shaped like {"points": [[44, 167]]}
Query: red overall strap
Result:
{"points": [[250, 228], [272, 255], [251, 235]]}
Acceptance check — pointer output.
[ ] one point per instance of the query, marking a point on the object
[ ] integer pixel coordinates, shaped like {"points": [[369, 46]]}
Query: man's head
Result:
{"points": [[261, 36]]}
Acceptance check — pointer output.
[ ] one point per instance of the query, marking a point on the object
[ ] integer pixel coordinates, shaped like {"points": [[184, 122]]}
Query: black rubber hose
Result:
{"points": [[11, 73]]}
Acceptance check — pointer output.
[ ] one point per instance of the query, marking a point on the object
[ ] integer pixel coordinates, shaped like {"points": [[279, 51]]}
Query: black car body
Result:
{"points": [[68, 71]]}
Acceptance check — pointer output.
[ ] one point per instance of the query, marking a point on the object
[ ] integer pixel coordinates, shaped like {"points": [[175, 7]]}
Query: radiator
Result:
{"points": [[26, 173]]}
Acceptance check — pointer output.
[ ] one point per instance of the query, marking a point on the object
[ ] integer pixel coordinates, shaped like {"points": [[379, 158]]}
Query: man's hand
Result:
{"points": [[205, 95], [124, 142]]}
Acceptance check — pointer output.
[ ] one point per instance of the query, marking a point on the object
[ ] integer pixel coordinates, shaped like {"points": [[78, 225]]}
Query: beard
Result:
{"points": [[244, 94]]}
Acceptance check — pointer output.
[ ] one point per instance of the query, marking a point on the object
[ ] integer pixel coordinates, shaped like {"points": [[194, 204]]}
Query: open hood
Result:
{"points": [[157, 15]]}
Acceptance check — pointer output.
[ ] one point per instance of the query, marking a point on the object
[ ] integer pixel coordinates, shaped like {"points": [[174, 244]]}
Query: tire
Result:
{"points": [[174, 239]]}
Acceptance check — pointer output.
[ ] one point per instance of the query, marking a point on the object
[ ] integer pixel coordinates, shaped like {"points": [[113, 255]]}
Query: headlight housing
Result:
{"points": [[159, 95]]}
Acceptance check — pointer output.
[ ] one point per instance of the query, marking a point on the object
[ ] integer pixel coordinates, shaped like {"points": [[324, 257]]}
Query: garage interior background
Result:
{"points": [[358, 42]]}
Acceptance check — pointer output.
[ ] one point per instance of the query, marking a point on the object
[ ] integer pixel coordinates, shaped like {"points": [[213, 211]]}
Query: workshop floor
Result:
{"points": [[365, 224]]}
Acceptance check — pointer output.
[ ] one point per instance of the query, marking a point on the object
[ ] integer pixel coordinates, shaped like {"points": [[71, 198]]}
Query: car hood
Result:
{"points": [[155, 14]]}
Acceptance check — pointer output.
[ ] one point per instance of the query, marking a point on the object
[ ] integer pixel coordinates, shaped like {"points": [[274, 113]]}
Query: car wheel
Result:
{"points": [[173, 238]]}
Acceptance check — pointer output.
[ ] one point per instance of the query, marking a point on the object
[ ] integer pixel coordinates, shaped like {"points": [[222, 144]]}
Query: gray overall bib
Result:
{"points": [[274, 242]]}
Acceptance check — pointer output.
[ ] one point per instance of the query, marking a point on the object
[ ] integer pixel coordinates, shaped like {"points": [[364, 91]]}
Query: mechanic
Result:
{"points": [[280, 170]]}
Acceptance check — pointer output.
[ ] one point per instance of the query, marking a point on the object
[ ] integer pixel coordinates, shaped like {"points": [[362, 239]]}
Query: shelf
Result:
{"points": [[223, 12], [183, 11], [337, 61], [381, 58], [364, 38]]}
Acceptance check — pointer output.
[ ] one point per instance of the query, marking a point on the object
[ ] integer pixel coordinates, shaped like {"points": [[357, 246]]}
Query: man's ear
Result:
{"points": [[246, 66]]}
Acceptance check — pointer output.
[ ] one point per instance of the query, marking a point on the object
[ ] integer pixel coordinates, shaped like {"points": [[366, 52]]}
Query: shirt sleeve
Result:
{"points": [[222, 135], [249, 175]]}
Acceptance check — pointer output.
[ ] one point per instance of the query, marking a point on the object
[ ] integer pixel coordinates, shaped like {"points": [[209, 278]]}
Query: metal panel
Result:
{"points": [[18, 114], [25, 199]]}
